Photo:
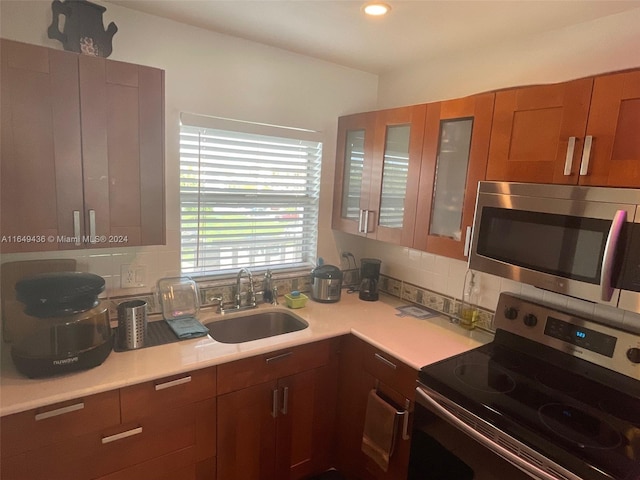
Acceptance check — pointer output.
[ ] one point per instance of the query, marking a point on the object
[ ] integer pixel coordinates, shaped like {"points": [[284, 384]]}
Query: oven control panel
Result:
{"points": [[597, 343], [580, 336]]}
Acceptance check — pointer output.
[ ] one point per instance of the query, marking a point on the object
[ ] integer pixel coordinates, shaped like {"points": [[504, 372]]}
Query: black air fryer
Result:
{"points": [[64, 327], [369, 275]]}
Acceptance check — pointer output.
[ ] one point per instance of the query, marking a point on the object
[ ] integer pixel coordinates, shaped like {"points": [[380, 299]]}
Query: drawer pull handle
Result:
{"points": [[285, 400], [385, 361], [173, 383], [278, 357], [59, 411], [120, 436], [405, 420], [274, 404]]}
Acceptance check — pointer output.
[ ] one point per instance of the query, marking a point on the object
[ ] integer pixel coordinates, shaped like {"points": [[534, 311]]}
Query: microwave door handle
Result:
{"points": [[610, 250]]}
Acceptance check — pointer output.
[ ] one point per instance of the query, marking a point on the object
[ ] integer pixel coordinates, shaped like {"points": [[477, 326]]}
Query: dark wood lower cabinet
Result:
{"points": [[277, 430], [155, 431], [246, 433], [282, 428], [360, 372], [304, 416]]}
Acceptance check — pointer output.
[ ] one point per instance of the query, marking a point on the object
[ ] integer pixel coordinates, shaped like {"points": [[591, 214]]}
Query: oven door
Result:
{"points": [[564, 245], [455, 443]]}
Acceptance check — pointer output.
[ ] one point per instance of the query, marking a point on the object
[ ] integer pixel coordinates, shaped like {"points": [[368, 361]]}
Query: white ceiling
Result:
{"points": [[414, 30]]}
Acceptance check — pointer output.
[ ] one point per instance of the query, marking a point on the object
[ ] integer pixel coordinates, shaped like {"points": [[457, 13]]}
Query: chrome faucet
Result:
{"points": [[251, 302]]}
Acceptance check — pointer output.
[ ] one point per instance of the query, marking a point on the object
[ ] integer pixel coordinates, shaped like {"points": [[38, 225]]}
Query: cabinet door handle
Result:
{"points": [[92, 226], [568, 161], [76, 226], [285, 400], [274, 404], [120, 436], [59, 411], [586, 155], [467, 242], [173, 383], [278, 357], [384, 360], [366, 221], [360, 222]]}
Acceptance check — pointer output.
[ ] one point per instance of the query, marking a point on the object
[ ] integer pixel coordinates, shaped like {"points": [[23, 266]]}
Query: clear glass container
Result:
{"points": [[178, 297]]}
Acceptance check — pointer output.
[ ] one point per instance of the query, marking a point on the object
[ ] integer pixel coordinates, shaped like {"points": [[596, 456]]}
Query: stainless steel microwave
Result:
{"points": [[574, 240]]}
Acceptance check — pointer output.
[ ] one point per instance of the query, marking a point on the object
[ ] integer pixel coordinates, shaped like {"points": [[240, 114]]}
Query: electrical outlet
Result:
{"points": [[133, 276]]}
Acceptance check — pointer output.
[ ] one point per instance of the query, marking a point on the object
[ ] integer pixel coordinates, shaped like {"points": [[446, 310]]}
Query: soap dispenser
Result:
{"points": [[469, 310], [267, 288]]}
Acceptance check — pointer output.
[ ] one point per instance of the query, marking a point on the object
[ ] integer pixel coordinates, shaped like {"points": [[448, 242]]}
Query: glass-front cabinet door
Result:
{"points": [[454, 160], [396, 173], [377, 172], [450, 182], [354, 156]]}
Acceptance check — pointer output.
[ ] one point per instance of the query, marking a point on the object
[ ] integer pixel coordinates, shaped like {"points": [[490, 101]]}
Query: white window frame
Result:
{"points": [[217, 150]]}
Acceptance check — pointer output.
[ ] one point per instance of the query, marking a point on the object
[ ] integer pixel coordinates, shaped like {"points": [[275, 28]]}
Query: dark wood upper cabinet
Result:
{"points": [[614, 126], [41, 146], [354, 159], [454, 160], [579, 132], [537, 130], [377, 173], [82, 151]]}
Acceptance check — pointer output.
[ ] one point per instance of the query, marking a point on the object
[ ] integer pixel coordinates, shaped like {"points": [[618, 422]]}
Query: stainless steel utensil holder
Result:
{"points": [[132, 324]]}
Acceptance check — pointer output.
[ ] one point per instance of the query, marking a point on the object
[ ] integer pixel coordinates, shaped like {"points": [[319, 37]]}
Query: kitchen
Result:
{"points": [[283, 88]]}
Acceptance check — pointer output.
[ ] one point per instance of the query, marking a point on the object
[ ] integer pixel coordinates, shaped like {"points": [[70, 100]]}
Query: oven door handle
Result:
{"points": [[609, 258], [503, 452]]}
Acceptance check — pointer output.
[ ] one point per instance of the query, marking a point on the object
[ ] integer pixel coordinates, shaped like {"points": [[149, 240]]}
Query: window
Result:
{"points": [[247, 200]]}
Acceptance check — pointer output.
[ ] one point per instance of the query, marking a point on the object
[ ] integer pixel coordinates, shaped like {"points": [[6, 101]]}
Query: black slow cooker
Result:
{"points": [[66, 327]]}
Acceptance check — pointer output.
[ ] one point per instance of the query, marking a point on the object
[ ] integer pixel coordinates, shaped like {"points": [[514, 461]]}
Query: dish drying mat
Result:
{"points": [[158, 333]]}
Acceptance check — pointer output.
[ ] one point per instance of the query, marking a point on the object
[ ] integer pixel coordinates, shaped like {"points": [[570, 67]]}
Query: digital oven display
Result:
{"points": [[581, 337]]}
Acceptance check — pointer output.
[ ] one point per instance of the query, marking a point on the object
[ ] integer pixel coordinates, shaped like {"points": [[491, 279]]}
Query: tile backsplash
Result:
{"points": [[418, 277], [435, 277], [150, 262]]}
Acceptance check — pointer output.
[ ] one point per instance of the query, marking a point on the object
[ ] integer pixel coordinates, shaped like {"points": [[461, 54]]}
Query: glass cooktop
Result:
{"points": [[553, 404]]}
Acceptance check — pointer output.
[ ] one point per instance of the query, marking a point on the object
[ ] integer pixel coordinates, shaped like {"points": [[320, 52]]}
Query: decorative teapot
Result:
{"points": [[83, 28]]}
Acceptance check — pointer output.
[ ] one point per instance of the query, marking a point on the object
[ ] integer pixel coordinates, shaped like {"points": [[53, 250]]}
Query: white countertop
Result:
{"points": [[415, 342]]}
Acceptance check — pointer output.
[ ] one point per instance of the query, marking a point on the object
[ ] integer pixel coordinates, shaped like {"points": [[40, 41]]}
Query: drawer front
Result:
{"points": [[263, 368], [390, 371], [114, 449], [151, 398], [42, 426], [179, 465]]}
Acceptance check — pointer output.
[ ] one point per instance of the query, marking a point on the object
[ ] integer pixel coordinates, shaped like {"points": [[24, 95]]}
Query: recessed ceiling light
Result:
{"points": [[376, 9]]}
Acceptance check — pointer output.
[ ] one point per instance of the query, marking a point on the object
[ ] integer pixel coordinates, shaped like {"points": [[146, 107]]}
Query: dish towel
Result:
{"points": [[380, 427], [187, 327]]}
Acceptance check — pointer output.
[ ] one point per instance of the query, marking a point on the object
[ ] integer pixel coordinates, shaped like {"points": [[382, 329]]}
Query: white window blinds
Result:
{"points": [[247, 200]]}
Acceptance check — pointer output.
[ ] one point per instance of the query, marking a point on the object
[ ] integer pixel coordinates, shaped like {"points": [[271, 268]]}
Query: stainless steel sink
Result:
{"points": [[254, 326]]}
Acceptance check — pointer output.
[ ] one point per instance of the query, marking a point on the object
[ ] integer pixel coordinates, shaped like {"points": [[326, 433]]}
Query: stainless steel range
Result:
{"points": [[554, 394]]}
